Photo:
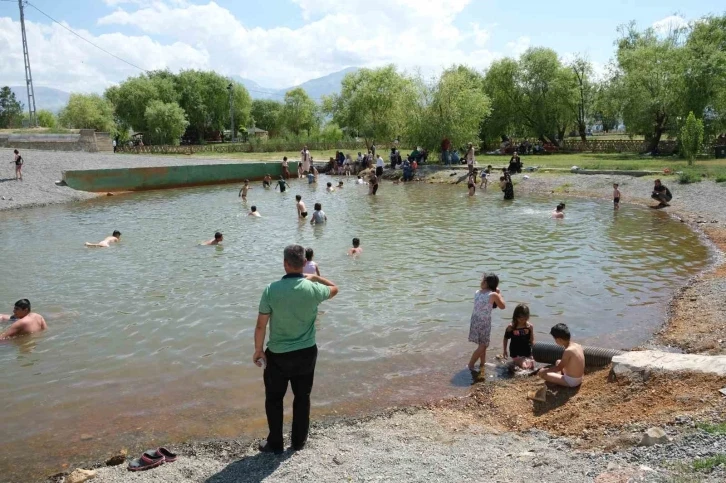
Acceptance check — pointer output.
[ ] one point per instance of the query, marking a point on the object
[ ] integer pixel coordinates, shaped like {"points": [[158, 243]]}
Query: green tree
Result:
{"points": [[691, 137], [582, 70], [166, 122], [88, 111], [373, 104], [607, 106], [299, 112], [266, 115], [331, 133], [11, 110], [651, 72], [47, 118], [131, 98], [454, 108]]}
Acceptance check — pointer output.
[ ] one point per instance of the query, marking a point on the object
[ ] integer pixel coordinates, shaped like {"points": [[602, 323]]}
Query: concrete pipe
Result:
{"points": [[594, 356]]}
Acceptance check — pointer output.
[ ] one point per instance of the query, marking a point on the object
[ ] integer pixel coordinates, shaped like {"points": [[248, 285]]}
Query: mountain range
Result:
{"points": [[55, 99]]}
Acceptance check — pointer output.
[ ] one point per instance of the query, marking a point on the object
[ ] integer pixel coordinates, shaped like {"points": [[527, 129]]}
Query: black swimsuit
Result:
{"points": [[616, 200], [519, 345]]}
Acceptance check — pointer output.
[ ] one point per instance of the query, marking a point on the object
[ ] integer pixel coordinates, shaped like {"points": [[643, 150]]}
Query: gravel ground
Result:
{"points": [[43, 168], [420, 445]]}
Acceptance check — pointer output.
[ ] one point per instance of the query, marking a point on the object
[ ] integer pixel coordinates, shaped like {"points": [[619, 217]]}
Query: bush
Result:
{"points": [[688, 177], [721, 178]]}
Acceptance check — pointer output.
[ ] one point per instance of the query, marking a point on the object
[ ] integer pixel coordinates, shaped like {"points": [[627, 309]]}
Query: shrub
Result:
{"points": [[688, 177]]}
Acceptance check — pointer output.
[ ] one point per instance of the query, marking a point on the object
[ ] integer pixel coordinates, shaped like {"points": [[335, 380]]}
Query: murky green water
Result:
{"points": [[151, 340]]}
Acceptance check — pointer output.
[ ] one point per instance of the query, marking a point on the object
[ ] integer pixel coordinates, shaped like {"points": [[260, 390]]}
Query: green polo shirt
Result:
{"points": [[292, 303]]}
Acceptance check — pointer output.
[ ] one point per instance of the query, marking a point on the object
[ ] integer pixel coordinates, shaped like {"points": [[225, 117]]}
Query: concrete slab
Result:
{"points": [[638, 361]]}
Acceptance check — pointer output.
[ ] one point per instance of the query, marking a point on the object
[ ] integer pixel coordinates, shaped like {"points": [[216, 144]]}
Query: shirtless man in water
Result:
{"points": [[115, 238], [570, 369], [302, 212], [218, 238], [24, 321]]}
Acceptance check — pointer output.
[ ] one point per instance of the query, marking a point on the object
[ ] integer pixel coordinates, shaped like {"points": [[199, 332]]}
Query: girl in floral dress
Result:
{"points": [[485, 300]]}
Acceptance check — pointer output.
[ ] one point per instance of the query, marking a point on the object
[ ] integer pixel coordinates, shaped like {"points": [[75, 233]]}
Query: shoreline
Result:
{"points": [[466, 416]]}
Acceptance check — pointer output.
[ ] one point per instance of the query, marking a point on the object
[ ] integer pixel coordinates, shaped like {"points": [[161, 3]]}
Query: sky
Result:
{"points": [[281, 43]]}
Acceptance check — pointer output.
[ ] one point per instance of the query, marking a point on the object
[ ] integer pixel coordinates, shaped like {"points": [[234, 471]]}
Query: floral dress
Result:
{"points": [[481, 318]]}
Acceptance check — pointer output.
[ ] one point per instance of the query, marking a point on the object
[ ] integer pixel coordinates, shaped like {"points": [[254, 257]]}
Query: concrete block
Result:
{"points": [[641, 361], [654, 436]]}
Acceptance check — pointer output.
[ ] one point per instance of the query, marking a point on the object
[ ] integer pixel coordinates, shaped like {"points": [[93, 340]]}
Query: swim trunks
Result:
{"points": [[616, 200], [303, 214], [572, 381]]}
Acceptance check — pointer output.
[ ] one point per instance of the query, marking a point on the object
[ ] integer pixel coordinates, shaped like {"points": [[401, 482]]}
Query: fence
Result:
{"points": [[615, 146], [265, 147]]}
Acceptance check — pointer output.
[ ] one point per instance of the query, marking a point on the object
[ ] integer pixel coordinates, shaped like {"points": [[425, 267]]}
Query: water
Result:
{"points": [[151, 340]]}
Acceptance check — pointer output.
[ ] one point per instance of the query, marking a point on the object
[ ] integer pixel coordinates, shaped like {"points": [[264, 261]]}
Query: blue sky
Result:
{"points": [[280, 43]]}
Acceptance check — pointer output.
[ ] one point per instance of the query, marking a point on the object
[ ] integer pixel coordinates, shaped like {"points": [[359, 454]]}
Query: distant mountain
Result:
{"points": [[316, 88], [45, 97]]}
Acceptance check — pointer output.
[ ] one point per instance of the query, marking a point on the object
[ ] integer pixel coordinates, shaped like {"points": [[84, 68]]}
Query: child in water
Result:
{"points": [[520, 333], [310, 266], [472, 189], [616, 196], [481, 318], [243, 192]]}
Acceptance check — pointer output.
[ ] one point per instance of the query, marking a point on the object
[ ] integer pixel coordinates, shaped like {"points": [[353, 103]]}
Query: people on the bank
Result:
{"points": [[302, 212], [356, 250], [569, 370], [379, 166], [311, 267], [616, 196], [329, 187], [559, 212], [243, 192], [267, 181], [515, 164], [485, 300], [23, 321], [114, 238], [290, 307], [661, 194], [470, 158], [254, 212], [520, 334], [319, 217], [218, 238], [18, 161], [282, 184], [285, 168]]}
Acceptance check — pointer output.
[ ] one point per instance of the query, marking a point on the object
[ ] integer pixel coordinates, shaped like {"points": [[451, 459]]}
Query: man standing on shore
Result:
{"points": [[290, 305]]}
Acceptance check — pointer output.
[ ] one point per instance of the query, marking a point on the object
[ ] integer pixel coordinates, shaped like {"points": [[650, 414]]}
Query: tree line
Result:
{"points": [[653, 83]]}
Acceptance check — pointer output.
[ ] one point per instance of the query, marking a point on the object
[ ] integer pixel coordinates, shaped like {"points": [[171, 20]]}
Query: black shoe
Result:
{"points": [[264, 447], [298, 447]]}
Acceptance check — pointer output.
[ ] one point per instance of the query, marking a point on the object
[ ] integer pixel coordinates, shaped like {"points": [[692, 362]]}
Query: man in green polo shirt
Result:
{"points": [[290, 306]]}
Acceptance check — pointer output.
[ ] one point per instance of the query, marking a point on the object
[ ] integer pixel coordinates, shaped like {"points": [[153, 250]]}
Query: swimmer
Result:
{"points": [[330, 188], [360, 180], [356, 250], [218, 238], [243, 192], [302, 212], [254, 212], [310, 267], [319, 217], [115, 238], [267, 181], [24, 321], [340, 184], [559, 213], [472, 189], [282, 184], [311, 178]]}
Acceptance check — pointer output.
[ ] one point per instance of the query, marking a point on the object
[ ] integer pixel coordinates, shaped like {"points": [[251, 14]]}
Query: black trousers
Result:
{"points": [[297, 368]]}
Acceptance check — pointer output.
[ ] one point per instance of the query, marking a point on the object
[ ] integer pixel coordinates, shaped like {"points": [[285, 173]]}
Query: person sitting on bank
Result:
{"points": [[515, 164], [661, 194], [569, 370], [218, 238], [114, 238], [24, 321]]}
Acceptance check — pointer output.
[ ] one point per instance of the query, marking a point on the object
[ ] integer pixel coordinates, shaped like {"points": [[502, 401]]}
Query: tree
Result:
{"points": [[453, 108], [607, 105], [88, 111], [299, 112], [651, 73], [265, 114], [331, 133], [166, 122], [47, 118], [11, 110], [582, 70], [691, 137], [373, 104], [131, 98]]}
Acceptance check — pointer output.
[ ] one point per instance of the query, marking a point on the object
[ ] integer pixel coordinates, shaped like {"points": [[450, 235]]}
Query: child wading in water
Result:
{"points": [[310, 266], [481, 318], [616, 196], [520, 333]]}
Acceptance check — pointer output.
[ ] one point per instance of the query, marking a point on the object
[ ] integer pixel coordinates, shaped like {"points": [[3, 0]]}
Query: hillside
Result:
{"points": [[316, 88], [45, 97]]}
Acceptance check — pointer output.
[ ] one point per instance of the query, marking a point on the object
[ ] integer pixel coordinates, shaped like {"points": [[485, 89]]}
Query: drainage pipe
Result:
{"points": [[594, 356]]}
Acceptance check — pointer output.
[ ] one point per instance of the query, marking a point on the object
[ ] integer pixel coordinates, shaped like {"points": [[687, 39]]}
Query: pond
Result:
{"points": [[151, 339]]}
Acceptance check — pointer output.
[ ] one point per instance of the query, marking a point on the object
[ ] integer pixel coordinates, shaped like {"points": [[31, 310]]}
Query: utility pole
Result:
{"points": [[231, 111], [28, 75]]}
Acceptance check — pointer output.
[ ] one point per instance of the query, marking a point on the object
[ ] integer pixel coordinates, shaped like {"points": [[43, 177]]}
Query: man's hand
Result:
{"points": [[258, 358]]}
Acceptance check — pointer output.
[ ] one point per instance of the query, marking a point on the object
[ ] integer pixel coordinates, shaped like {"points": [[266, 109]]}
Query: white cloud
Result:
{"points": [[669, 24], [519, 46], [409, 33]]}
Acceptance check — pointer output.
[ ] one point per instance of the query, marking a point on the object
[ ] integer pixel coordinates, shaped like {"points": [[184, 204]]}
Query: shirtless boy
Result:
{"points": [[302, 212], [243, 191], [616, 196], [559, 212], [570, 369], [24, 321], [218, 238], [356, 250], [253, 211], [115, 238], [267, 181]]}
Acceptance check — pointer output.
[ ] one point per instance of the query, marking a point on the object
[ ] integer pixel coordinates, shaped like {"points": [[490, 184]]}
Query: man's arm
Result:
{"points": [[260, 332], [4, 318], [326, 282], [17, 328]]}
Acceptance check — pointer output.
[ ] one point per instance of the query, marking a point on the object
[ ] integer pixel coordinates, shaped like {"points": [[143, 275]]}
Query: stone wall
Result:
{"points": [[85, 140]]}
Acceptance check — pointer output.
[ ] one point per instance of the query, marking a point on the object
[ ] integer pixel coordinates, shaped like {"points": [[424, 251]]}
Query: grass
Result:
{"points": [[40, 130], [690, 176], [721, 178], [709, 463], [719, 428]]}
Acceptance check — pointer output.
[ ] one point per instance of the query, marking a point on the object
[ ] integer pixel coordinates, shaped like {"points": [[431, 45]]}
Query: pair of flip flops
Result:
{"points": [[152, 459]]}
